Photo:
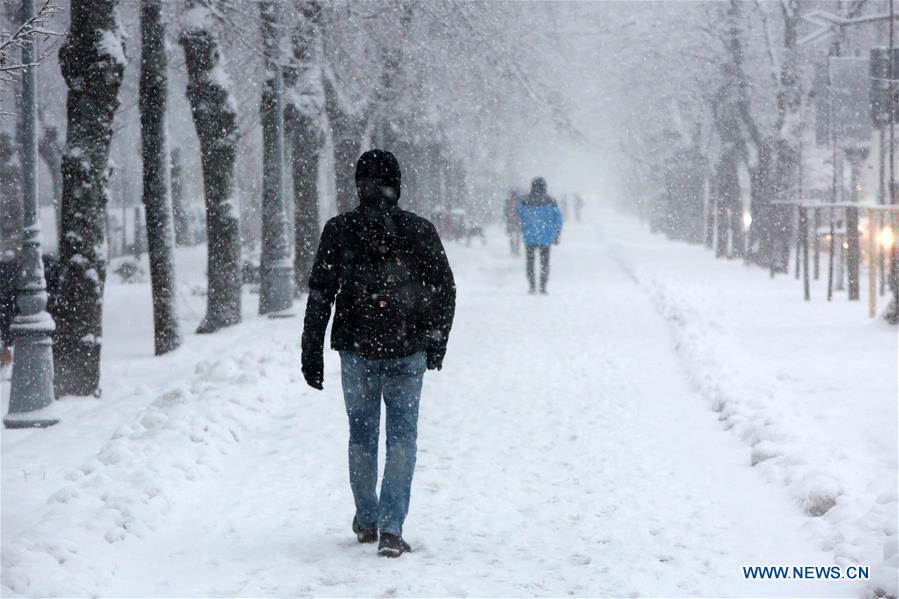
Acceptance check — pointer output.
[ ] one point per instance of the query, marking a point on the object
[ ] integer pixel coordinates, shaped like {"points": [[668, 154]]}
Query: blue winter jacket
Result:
{"points": [[541, 219]]}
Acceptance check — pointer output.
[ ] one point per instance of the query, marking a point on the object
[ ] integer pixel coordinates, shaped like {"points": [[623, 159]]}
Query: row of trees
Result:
{"points": [[326, 79], [737, 93]]}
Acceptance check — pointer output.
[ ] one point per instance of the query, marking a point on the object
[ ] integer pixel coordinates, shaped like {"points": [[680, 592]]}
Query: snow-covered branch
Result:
{"points": [[770, 49], [13, 42]]}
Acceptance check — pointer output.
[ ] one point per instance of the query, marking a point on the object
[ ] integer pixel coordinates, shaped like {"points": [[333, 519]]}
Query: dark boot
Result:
{"points": [[364, 535], [392, 545]]}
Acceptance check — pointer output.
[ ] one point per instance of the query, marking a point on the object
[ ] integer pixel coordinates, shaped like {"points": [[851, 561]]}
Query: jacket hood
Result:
{"points": [[378, 179], [538, 186]]}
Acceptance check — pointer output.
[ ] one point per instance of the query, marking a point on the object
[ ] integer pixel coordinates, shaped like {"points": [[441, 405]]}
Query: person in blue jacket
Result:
{"points": [[541, 225]]}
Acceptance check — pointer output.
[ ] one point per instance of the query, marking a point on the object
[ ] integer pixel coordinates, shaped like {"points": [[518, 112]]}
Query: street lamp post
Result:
{"points": [[31, 394]]}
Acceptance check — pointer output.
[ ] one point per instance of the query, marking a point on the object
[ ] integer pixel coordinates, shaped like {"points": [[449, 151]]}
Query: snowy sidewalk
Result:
{"points": [[563, 450]]}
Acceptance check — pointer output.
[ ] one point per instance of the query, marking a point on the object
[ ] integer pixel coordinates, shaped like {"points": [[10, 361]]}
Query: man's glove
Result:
{"points": [[314, 369], [435, 357]]}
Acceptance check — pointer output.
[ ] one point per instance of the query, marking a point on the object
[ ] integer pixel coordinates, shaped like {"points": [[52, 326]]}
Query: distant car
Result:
{"points": [[450, 224], [455, 225]]}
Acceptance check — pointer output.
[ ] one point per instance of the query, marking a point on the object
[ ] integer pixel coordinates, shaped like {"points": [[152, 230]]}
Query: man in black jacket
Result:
{"points": [[387, 272]]}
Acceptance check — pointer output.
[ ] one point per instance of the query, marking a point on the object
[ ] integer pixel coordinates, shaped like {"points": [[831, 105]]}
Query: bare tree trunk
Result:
{"points": [[138, 247], [694, 187], [428, 167], [215, 118], [727, 199], [306, 142], [347, 149], [762, 190], [388, 123], [711, 211], [347, 131], [92, 62], [10, 200], [157, 201], [51, 153], [775, 177], [404, 149], [721, 218], [276, 289], [737, 235], [179, 214], [302, 116], [803, 249]]}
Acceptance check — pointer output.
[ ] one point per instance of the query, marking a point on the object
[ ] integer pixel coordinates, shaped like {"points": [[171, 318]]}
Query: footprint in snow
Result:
{"points": [[579, 559]]}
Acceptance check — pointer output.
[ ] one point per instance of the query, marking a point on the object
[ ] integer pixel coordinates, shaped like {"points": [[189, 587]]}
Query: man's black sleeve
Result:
{"points": [[323, 286], [439, 277]]}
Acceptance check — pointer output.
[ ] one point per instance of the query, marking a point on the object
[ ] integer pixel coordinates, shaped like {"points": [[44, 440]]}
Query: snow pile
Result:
{"points": [[197, 17], [184, 436], [809, 387]]}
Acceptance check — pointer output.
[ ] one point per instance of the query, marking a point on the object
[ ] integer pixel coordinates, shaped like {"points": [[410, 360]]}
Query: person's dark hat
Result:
{"points": [[382, 167], [538, 185]]}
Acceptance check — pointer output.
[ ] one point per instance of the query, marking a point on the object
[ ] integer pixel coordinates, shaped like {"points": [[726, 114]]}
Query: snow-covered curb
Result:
{"points": [[853, 518]]}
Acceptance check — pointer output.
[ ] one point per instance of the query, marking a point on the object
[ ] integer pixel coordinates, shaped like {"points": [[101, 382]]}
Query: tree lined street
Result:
{"points": [[664, 413], [585, 470]]}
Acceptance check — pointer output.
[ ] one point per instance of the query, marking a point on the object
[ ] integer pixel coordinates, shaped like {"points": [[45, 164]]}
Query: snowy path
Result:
{"points": [[562, 452]]}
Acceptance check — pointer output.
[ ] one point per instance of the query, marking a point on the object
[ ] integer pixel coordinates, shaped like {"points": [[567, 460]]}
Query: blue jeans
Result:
{"points": [[365, 382]]}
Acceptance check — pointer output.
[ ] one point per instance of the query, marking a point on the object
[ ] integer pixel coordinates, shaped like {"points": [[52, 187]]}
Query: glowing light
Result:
{"points": [[747, 220], [886, 238], [845, 245]]}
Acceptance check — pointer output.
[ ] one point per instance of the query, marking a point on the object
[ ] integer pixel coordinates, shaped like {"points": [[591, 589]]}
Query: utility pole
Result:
{"points": [[31, 394], [881, 199], [894, 250], [836, 182], [856, 155]]}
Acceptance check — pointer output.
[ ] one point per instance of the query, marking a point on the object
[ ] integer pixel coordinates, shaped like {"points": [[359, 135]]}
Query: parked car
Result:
{"points": [[456, 225]]}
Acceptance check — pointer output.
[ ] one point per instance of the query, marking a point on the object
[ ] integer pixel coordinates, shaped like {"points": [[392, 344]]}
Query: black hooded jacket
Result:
{"points": [[420, 314]]}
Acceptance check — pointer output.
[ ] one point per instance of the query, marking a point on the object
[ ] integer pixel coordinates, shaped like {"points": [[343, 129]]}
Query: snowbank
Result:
{"points": [[183, 437], [810, 387]]}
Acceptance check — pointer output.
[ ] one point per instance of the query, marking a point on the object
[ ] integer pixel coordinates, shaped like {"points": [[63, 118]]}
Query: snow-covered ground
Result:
{"points": [[597, 441]]}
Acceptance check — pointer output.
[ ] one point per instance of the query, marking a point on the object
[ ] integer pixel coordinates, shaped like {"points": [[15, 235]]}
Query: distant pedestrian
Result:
{"points": [[541, 225], [386, 270], [513, 223], [578, 206]]}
